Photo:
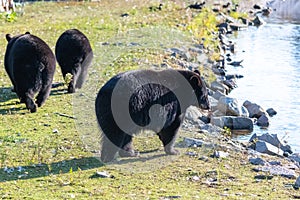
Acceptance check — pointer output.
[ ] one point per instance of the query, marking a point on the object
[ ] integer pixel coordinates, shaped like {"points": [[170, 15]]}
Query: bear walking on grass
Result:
{"points": [[74, 55], [145, 99], [30, 65]]}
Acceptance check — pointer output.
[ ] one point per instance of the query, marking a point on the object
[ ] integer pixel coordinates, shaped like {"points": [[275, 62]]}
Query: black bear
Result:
{"points": [[30, 65], [146, 99], [74, 55]]}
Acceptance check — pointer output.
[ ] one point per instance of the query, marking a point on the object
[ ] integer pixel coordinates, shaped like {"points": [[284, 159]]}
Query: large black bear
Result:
{"points": [[145, 99], [30, 65], [74, 55]]}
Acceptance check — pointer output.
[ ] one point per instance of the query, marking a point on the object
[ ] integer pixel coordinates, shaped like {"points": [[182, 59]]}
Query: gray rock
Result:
{"points": [[257, 161], [274, 162], [295, 157], [234, 123], [211, 128], [273, 140], [220, 154], [103, 174], [191, 142], [267, 148], [254, 109], [263, 177], [229, 106], [217, 86], [263, 120], [213, 102], [217, 95], [178, 52], [271, 112], [277, 170], [244, 112], [297, 183], [193, 113], [218, 71]]}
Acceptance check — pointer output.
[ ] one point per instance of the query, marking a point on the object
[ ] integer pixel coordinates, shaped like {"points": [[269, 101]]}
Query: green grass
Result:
{"points": [[55, 146]]}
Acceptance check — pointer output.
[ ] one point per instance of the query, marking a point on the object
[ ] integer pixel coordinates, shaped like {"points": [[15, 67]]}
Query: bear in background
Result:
{"points": [[30, 65], [146, 99], [74, 55]]}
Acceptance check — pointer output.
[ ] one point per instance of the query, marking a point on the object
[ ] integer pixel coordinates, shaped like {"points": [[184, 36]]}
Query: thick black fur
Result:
{"points": [[30, 65], [144, 97], [74, 55]]}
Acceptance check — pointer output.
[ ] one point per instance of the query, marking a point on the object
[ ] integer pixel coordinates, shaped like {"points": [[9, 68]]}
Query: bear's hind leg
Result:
{"points": [[127, 148], [28, 100], [75, 73], [43, 94]]}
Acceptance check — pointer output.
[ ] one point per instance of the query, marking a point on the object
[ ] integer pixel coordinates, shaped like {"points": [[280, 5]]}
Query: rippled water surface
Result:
{"points": [[271, 70]]}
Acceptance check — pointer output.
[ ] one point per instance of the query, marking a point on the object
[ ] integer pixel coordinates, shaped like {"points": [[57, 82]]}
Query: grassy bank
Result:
{"points": [[42, 155]]}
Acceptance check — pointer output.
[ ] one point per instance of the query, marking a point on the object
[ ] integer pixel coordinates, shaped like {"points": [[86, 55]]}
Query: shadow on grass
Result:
{"points": [[7, 94], [43, 170]]}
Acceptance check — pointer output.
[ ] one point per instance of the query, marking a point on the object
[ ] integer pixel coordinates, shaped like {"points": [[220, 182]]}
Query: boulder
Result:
{"points": [[271, 112], [273, 140], [267, 148], [254, 109], [213, 102], [193, 114], [217, 86], [217, 95], [234, 123], [230, 106], [263, 120]]}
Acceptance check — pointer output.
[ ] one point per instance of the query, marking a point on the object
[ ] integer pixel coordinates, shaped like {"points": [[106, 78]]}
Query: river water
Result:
{"points": [[271, 70]]}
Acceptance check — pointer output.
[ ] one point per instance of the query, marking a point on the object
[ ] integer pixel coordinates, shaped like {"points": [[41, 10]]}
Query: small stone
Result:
{"points": [[271, 112], [220, 154], [263, 120], [196, 178], [191, 142], [103, 174], [257, 161], [275, 162], [297, 183], [55, 131], [203, 158], [189, 153], [263, 177]]}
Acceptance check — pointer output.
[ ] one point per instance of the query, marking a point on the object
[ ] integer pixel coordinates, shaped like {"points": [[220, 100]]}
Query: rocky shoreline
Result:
{"points": [[228, 113]]}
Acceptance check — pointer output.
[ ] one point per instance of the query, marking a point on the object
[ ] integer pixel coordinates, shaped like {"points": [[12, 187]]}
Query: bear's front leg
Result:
{"points": [[168, 136]]}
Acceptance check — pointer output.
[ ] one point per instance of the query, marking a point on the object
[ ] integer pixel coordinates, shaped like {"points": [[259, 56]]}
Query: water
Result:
{"points": [[271, 70]]}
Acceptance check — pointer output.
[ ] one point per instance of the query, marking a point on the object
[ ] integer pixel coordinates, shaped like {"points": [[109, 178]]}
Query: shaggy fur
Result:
{"points": [[148, 101], [74, 55], [30, 65]]}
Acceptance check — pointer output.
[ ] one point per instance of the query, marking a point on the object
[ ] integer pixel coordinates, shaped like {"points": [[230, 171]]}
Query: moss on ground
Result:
{"points": [[42, 155]]}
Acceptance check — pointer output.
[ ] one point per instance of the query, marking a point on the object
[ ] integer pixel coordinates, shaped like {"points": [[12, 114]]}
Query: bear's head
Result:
{"points": [[200, 90]]}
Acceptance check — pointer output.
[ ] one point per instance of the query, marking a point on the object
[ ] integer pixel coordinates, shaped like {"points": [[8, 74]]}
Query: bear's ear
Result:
{"points": [[195, 80], [197, 72], [27, 32], [8, 37]]}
